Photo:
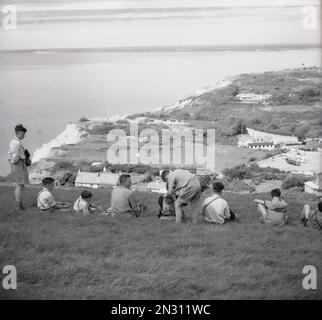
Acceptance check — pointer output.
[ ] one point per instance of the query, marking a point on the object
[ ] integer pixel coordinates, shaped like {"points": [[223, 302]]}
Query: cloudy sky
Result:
{"points": [[145, 23]]}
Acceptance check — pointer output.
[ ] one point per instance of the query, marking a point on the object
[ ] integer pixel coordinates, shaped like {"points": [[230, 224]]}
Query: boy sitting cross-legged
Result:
{"points": [[46, 201]]}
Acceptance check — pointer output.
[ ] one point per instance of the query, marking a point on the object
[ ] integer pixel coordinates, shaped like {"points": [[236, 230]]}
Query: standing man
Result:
{"points": [[19, 160], [188, 188]]}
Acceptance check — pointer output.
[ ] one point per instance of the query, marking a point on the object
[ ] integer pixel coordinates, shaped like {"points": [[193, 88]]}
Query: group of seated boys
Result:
{"points": [[183, 189]]}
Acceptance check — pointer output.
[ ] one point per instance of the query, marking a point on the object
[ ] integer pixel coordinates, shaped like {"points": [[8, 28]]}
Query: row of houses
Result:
{"points": [[97, 180]]}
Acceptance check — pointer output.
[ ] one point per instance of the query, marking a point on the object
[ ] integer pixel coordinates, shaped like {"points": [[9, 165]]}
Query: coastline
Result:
{"points": [[73, 133]]}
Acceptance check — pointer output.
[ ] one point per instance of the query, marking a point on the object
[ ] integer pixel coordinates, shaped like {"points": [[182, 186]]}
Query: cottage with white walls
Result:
{"points": [[157, 186], [96, 180], [253, 98]]}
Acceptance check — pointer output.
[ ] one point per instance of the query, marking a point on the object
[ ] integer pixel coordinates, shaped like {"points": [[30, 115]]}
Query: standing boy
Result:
{"points": [[18, 158]]}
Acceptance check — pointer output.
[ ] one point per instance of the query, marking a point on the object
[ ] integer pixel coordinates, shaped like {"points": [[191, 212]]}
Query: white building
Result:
{"points": [[261, 136], [257, 142], [157, 186], [96, 180], [253, 98]]}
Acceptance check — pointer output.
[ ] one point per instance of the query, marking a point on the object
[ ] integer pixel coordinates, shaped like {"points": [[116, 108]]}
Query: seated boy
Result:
{"points": [[273, 211], [312, 218], [46, 201], [83, 203], [122, 199], [215, 209]]}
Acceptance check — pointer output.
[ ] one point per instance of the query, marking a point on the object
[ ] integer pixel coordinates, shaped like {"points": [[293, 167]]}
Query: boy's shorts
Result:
{"points": [[20, 172], [191, 192], [275, 217]]}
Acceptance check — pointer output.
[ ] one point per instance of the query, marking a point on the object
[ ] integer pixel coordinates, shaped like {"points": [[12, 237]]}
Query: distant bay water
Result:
{"points": [[45, 90]]}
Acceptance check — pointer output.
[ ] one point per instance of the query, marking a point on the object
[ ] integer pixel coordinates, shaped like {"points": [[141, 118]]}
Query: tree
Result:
{"points": [[238, 127], [83, 119]]}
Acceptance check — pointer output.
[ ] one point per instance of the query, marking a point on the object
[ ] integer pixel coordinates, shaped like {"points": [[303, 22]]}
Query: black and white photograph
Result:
{"points": [[165, 150]]}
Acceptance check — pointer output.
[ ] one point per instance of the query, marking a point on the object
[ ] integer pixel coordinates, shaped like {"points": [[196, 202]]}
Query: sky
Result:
{"points": [[148, 23]]}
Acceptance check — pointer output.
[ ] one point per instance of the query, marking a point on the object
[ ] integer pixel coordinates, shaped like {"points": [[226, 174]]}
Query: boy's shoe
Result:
{"points": [[304, 221], [19, 206], [167, 217]]}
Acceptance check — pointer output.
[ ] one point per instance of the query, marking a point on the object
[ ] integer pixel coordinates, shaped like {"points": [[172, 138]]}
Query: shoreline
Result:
{"points": [[72, 134]]}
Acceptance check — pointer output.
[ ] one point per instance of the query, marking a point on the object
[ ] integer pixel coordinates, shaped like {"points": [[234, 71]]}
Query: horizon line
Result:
{"points": [[183, 48]]}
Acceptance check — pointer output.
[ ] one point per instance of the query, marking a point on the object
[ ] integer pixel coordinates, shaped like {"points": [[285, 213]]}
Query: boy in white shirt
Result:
{"points": [[46, 201], [83, 203], [215, 209], [18, 158]]}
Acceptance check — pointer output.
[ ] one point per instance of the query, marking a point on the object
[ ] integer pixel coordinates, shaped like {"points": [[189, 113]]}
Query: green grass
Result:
{"points": [[64, 256]]}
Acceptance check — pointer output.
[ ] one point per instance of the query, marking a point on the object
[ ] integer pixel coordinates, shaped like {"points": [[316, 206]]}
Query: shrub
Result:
{"points": [[68, 178], [64, 165], [205, 181], [83, 119], [294, 181], [122, 121], [140, 169], [239, 172], [107, 126], [120, 168]]}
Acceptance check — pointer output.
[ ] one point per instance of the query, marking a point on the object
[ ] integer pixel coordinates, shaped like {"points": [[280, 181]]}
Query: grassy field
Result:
{"points": [[64, 256]]}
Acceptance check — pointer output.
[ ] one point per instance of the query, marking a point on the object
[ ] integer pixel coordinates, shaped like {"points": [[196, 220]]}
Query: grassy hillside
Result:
{"points": [[293, 108], [66, 256]]}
